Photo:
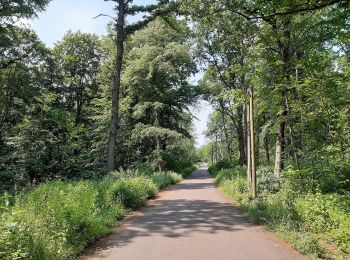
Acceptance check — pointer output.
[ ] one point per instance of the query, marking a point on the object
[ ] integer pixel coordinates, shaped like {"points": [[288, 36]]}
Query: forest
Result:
{"points": [[95, 125]]}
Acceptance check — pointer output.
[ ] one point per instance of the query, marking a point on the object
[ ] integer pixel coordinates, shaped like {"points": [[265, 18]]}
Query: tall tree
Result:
{"points": [[78, 60], [124, 9], [158, 67]]}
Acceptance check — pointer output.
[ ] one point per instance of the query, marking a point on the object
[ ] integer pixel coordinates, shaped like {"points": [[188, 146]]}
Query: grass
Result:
{"points": [[57, 220], [316, 224]]}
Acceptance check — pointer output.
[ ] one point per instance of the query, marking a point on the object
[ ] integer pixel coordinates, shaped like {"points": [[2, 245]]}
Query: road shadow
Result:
{"points": [[175, 218]]}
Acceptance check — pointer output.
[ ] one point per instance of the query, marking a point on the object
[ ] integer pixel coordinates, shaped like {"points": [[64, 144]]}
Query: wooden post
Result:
{"points": [[249, 164], [252, 141]]}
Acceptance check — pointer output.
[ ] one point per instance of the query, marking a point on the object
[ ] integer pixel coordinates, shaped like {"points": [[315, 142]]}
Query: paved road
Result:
{"points": [[191, 221]]}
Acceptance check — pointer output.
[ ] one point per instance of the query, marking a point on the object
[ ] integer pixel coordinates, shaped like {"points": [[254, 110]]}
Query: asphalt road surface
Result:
{"points": [[191, 220]]}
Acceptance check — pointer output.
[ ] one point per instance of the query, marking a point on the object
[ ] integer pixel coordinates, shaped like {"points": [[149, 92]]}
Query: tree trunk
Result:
{"points": [[252, 142], [266, 147], [280, 145], [257, 146], [228, 143], [240, 135], [116, 89], [284, 51]]}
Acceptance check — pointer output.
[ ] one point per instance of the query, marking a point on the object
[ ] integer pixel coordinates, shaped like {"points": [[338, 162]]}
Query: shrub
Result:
{"points": [[13, 180], [224, 164], [125, 174], [300, 218], [163, 179], [132, 192], [327, 214], [213, 170], [175, 178], [58, 219], [144, 169], [221, 165], [55, 221], [267, 182], [188, 170]]}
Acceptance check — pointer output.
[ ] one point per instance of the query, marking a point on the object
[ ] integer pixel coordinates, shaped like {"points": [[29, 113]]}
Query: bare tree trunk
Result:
{"points": [[116, 88], [240, 134], [280, 146]]}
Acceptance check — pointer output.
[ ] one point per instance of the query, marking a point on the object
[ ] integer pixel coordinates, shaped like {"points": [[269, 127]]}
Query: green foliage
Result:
{"points": [[304, 219], [57, 220], [220, 165], [159, 93], [327, 214], [133, 192], [224, 164], [185, 172], [213, 170], [164, 179], [13, 10], [268, 182]]}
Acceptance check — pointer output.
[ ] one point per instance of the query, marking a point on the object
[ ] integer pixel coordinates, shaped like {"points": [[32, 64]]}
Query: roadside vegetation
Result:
{"points": [[79, 146], [58, 219], [93, 126], [277, 76], [314, 221]]}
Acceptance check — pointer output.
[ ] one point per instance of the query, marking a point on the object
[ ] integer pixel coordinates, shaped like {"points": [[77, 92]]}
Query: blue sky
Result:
{"points": [[64, 15]]}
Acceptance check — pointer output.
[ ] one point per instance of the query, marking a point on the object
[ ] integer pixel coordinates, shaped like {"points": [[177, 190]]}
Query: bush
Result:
{"points": [[58, 219], [163, 179], [13, 180], [267, 182], [132, 192], [213, 170], [302, 219], [224, 164], [187, 171], [55, 221], [221, 165], [327, 214]]}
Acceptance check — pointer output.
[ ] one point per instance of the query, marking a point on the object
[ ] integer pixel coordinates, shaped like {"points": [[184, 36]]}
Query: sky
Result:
{"points": [[63, 15]]}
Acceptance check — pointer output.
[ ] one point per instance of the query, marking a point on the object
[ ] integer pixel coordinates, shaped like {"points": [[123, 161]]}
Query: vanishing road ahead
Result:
{"points": [[191, 220]]}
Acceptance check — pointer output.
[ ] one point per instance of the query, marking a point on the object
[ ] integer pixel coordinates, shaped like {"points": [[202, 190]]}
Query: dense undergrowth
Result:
{"points": [[316, 223], [57, 220]]}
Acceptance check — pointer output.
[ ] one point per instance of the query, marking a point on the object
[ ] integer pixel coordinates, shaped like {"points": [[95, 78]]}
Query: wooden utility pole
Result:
{"points": [[249, 163], [251, 172]]}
